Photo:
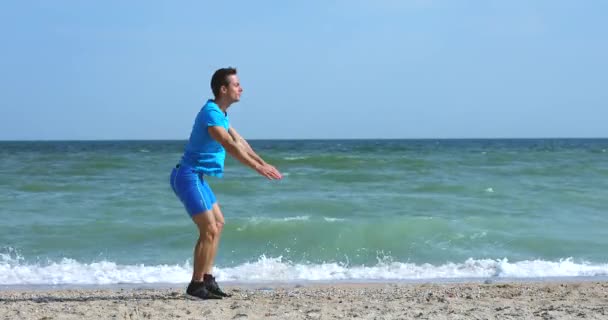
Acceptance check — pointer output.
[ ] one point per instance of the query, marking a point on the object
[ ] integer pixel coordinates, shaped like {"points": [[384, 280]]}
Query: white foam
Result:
{"points": [[297, 218], [258, 220], [68, 271], [478, 235]]}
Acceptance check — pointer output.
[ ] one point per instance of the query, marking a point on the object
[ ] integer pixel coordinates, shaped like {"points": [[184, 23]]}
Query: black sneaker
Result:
{"points": [[199, 290], [214, 288]]}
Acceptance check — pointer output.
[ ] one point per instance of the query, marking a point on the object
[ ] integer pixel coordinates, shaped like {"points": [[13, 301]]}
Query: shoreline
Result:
{"points": [[556, 299], [301, 283]]}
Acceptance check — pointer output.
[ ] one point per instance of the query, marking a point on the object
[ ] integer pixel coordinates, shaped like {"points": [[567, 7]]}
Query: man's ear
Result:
{"points": [[223, 89]]}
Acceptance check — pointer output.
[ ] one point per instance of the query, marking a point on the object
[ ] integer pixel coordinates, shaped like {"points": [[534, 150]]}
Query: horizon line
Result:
{"points": [[313, 139]]}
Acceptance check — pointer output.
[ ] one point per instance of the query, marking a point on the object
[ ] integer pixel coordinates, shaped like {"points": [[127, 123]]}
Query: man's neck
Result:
{"points": [[223, 104]]}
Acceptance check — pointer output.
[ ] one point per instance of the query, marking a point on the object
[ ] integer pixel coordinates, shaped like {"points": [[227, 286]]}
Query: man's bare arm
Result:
{"points": [[226, 140], [241, 141], [245, 145]]}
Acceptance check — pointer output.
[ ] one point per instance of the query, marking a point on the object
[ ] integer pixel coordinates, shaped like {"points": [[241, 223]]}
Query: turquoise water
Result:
{"points": [[103, 212]]}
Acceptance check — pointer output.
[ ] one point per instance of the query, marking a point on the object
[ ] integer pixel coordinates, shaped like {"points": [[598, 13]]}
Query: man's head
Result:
{"points": [[225, 85]]}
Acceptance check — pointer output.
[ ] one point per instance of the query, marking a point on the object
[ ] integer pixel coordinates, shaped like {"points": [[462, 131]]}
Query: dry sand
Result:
{"points": [[517, 300]]}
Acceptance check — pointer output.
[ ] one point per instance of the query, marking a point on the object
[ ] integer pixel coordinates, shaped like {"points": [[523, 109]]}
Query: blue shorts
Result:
{"points": [[192, 190]]}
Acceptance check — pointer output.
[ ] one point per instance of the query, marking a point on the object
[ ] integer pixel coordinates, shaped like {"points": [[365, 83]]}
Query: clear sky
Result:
{"points": [[309, 69]]}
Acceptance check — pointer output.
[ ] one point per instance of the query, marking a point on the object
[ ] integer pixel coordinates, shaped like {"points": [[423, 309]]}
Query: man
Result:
{"points": [[204, 156]]}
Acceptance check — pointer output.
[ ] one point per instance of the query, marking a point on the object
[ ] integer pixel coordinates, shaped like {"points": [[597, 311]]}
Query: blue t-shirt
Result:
{"points": [[203, 153]]}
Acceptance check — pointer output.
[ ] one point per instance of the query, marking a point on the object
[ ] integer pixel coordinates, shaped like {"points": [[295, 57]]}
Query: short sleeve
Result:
{"points": [[214, 117]]}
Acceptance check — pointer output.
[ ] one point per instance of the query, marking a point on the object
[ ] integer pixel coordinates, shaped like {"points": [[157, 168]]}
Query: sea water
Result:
{"points": [[102, 212]]}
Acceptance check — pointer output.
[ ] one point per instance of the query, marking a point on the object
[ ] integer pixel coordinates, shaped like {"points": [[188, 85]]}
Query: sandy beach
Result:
{"points": [[508, 300]]}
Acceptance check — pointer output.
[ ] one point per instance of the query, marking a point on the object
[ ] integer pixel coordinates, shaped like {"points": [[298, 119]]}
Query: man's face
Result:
{"points": [[233, 90]]}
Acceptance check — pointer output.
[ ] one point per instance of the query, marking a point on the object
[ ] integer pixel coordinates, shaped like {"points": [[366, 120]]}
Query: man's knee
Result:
{"points": [[210, 233], [220, 226]]}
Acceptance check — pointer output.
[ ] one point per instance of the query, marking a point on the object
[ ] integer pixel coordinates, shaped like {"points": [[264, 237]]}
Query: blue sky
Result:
{"points": [[310, 69]]}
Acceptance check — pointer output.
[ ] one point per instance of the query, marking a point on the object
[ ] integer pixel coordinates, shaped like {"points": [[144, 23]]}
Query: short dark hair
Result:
{"points": [[220, 78]]}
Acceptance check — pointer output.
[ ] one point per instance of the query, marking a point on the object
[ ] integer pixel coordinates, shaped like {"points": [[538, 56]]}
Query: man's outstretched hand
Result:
{"points": [[269, 172]]}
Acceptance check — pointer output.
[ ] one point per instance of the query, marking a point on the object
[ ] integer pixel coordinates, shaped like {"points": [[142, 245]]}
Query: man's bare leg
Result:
{"points": [[219, 223], [203, 251], [203, 254], [208, 278]]}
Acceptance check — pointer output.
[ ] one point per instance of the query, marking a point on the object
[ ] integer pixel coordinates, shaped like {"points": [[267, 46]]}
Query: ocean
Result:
{"points": [[103, 213]]}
